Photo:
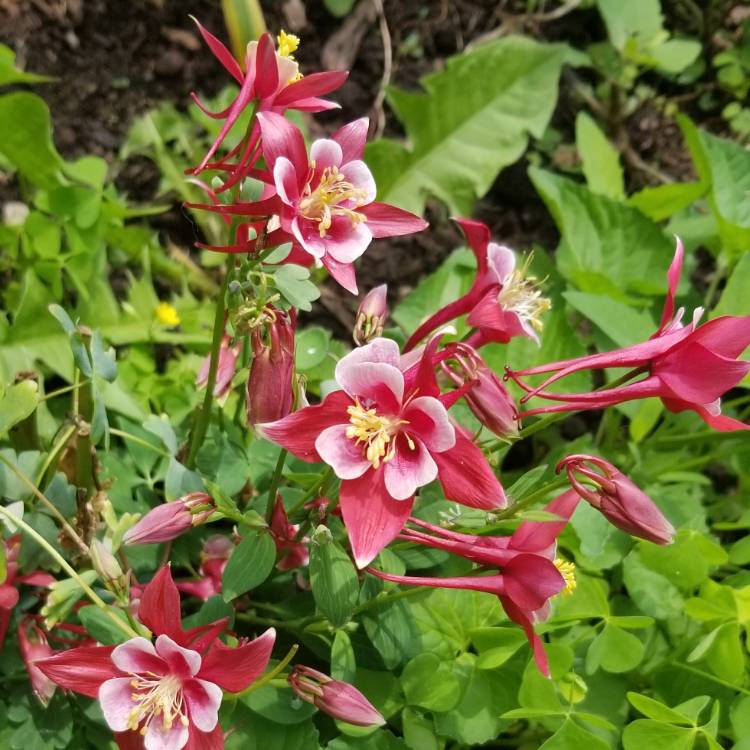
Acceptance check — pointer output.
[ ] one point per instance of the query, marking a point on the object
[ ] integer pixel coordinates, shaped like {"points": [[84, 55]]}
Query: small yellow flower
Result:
{"points": [[288, 44], [166, 314]]}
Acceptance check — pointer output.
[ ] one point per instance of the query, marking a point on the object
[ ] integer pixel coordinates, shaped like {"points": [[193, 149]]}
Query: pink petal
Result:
{"points": [[312, 85], [467, 478], [183, 662], [82, 669], [537, 536], [478, 236], [203, 699], [352, 137], [359, 174], [523, 619], [673, 279], [117, 703], [306, 233], [341, 453], [728, 336], [285, 179], [138, 655], [159, 609], [234, 669], [299, 431], [345, 241], [487, 313], [158, 738], [222, 54], [429, 421], [530, 580], [719, 422], [501, 261], [205, 740], [288, 71], [8, 596], [371, 374], [385, 220], [281, 138], [409, 469], [325, 153], [371, 516], [343, 273], [266, 67], [315, 104]]}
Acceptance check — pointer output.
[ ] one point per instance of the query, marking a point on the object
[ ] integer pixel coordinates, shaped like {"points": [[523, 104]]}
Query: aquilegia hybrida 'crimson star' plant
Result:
{"points": [[169, 691], [385, 434]]}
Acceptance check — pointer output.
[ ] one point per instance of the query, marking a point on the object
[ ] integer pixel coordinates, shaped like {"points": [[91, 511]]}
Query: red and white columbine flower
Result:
{"points": [[385, 434], [164, 694], [502, 303]]}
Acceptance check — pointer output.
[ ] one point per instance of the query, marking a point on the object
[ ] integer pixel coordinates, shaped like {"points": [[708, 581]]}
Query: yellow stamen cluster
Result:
{"points": [[567, 570], [156, 697], [288, 44], [167, 314], [521, 294], [375, 432], [323, 203]]}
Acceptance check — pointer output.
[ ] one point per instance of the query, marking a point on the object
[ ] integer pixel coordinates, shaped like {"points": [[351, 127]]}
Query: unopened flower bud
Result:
{"points": [[225, 369], [371, 315], [106, 565], [334, 697], [170, 520], [270, 386], [32, 643], [618, 498]]}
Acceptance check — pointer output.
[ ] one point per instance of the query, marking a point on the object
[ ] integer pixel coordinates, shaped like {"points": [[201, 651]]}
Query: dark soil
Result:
{"points": [[116, 59]]}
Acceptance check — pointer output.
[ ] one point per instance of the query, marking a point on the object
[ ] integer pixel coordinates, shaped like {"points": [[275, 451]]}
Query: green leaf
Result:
{"points": [[614, 650], [294, 284], [334, 582], [722, 651], [600, 159], [656, 710], [644, 733], [9, 73], [474, 118], [640, 18], [101, 627], [251, 562], [29, 148], [606, 246], [343, 661], [570, 736], [496, 645], [180, 480], [17, 403], [734, 299], [311, 347], [419, 731], [430, 683], [663, 201], [654, 594]]}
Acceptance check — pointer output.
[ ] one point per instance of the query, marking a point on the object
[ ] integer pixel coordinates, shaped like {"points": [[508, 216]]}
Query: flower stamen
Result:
{"points": [[156, 697], [567, 570], [325, 202], [521, 294], [374, 431]]}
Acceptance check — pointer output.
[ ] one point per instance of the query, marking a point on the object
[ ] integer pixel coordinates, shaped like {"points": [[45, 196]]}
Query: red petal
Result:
{"points": [[298, 431], [384, 220], [371, 516], [81, 669], [343, 273], [266, 67], [524, 620], [159, 609], [313, 85], [530, 580], [8, 596], [467, 478], [673, 279], [129, 740], [460, 307], [200, 740], [728, 336], [352, 137], [222, 54], [537, 536], [281, 138], [478, 237], [202, 636], [234, 669]]}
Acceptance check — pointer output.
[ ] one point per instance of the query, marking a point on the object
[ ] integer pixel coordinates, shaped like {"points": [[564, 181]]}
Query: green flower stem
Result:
{"points": [[200, 426], [52, 552], [69, 530], [316, 489], [54, 453], [65, 389], [275, 479], [379, 601], [282, 665], [138, 440]]}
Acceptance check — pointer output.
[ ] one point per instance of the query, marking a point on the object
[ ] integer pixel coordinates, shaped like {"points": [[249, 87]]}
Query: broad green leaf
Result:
{"points": [[29, 148], [635, 18], [294, 284], [474, 118], [654, 594], [391, 629], [656, 710], [663, 201], [600, 159], [419, 731], [180, 480], [734, 299], [17, 403], [606, 246], [430, 683], [343, 661], [614, 650], [496, 645], [674, 55], [571, 736], [311, 347], [722, 651], [100, 626], [278, 705], [645, 733], [251, 563], [9, 73], [602, 544], [334, 581]]}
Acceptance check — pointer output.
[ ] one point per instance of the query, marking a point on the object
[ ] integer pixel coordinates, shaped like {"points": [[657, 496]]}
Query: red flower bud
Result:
{"points": [[170, 520], [270, 386], [225, 370], [33, 648], [371, 315], [618, 498], [334, 697]]}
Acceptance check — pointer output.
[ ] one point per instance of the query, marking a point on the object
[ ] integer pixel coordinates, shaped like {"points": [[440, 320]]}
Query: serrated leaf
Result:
{"points": [[474, 118], [251, 562]]}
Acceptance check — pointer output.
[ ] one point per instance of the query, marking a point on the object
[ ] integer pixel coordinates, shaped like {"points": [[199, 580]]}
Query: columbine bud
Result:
{"points": [[270, 387], [106, 565], [225, 369], [371, 315], [338, 699], [618, 499], [33, 648], [170, 520], [485, 394]]}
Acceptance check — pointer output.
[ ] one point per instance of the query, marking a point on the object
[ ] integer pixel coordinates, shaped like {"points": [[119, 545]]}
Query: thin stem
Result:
{"points": [[69, 530], [387, 599], [275, 479], [65, 389], [140, 441], [54, 453], [529, 500], [316, 489], [200, 426], [52, 552], [266, 677]]}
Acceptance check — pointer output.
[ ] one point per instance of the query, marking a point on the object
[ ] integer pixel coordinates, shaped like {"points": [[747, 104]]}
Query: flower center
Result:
{"points": [[156, 697], [568, 571], [325, 202], [521, 295], [287, 45], [376, 432]]}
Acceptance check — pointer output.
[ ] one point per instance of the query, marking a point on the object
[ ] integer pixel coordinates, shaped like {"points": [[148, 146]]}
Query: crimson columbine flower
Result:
{"points": [[272, 80], [225, 370], [169, 520], [168, 692], [615, 495], [214, 556], [293, 552], [334, 697], [270, 386], [502, 303], [522, 570], [371, 315], [33, 645], [687, 367], [385, 434], [9, 587]]}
